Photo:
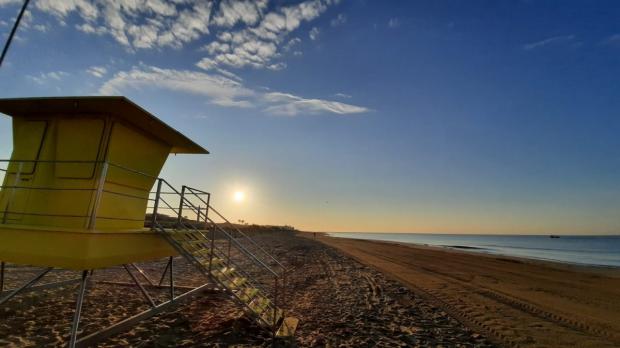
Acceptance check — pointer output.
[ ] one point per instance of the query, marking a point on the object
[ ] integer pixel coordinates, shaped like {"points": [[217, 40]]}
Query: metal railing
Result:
{"points": [[23, 176], [235, 231], [221, 239]]}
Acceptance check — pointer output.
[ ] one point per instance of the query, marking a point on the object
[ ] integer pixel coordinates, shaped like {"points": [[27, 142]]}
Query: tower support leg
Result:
{"points": [[171, 281], [142, 289], [163, 275], [1, 277], [78, 310], [142, 273], [28, 284]]}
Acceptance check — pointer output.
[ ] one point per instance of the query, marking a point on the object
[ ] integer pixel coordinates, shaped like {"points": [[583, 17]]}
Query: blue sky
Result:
{"points": [[420, 116]]}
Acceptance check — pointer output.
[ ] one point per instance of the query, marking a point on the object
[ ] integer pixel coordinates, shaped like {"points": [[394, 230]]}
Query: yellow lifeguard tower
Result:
{"points": [[78, 182], [76, 191]]}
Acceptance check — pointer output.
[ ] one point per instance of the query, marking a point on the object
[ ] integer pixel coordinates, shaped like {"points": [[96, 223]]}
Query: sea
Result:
{"points": [[585, 250]]}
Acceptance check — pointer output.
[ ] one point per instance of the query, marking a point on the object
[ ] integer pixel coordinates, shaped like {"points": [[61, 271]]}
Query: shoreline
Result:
{"points": [[518, 301], [479, 251]]}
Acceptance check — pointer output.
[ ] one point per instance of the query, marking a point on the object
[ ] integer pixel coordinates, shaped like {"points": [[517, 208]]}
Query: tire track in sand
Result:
{"points": [[491, 312]]}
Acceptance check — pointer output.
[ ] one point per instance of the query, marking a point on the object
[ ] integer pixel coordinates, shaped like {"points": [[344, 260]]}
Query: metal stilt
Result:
{"points": [[171, 281], [1, 277], [163, 275], [28, 284], [142, 273], [123, 325], [142, 289], [78, 310]]}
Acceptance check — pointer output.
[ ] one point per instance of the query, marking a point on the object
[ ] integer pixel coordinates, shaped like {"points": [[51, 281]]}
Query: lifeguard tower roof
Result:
{"points": [[117, 106]]}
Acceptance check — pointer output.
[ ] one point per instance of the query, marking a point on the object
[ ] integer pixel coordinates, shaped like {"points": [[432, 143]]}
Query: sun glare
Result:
{"points": [[239, 196]]}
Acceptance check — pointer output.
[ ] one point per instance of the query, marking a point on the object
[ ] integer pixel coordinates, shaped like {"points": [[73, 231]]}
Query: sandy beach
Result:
{"points": [[340, 303], [346, 293], [515, 302]]}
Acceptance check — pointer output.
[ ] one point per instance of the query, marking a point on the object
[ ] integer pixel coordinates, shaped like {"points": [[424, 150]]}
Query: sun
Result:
{"points": [[239, 196]]}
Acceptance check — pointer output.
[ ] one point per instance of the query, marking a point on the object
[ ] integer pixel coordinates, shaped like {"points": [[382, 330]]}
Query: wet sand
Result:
{"points": [[340, 303], [515, 302]]}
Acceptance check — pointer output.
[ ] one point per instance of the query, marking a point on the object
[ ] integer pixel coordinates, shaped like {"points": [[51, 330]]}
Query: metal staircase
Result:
{"points": [[222, 252]]}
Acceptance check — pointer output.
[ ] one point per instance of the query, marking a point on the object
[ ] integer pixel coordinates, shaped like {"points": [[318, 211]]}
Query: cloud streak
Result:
{"points": [[44, 78], [292, 105], [339, 20], [612, 40], [314, 33], [220, 90], [549, 41], [223, 91], [97, 71]]}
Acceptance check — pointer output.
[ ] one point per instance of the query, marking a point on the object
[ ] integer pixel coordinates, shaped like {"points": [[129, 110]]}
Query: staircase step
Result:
{"points": [[236, 283], [248, 294], [204, 261], [259, 304], [196, 247], [182, 233], [196, 242], [268, 316], [225, 270], [191, 245], [224, 273], [288, 327]]}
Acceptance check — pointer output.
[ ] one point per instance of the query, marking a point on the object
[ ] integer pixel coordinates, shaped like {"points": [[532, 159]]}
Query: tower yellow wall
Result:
{"points": [[124, 197], [129, 148]]}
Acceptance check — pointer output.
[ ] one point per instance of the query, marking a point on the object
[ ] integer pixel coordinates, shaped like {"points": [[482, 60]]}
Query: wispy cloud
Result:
{"points": [[231, 12], [342, 95], [339, 20], [258, 46], [549, 41], [291, 105], [393, 23], [245, 33], [291, 43], [10, 2], [612, 40], [44, 78], [314, 33], [223, 91], [219, 90], [27, 21], [97, 71]]}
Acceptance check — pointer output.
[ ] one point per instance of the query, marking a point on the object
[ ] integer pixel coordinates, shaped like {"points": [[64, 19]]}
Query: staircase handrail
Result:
{"points": [[233, 240], [209, 207], [233, 263]]}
